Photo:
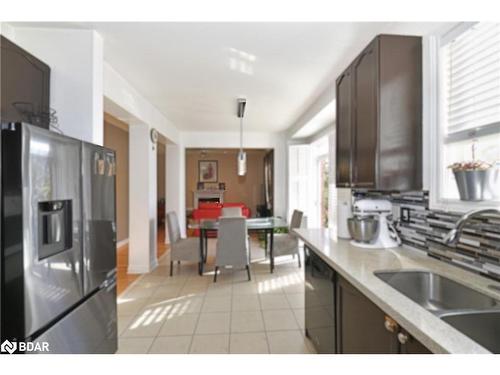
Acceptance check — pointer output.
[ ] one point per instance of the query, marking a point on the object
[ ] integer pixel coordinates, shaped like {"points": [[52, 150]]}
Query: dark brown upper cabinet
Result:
{"points": [[379, 116], [344, 113], [25, 86]]}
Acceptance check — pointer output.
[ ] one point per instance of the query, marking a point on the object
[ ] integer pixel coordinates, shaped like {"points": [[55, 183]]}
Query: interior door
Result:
{"points": [[365, 118], [344, 128], [99, 217]]}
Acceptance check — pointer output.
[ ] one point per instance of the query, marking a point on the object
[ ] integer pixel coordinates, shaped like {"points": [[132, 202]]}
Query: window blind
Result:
{"points": [[472, 78]]}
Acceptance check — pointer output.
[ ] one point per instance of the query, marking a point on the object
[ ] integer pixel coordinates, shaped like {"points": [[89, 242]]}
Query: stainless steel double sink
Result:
{"points": [[473, 313]]}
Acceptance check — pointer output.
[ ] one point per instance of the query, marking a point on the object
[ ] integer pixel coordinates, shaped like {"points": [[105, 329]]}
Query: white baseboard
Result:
{"points": [[122, 243], [154, 264]]}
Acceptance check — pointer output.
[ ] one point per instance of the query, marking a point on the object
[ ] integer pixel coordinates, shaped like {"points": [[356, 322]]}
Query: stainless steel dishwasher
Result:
{"points": [[319, 303]]}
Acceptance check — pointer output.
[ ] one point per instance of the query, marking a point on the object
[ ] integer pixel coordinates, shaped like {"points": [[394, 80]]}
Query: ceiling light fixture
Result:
{"points": [[242, 156]]}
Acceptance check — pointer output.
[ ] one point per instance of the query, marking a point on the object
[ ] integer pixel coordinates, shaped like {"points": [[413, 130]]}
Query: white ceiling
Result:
{"points": [[193, 72]]}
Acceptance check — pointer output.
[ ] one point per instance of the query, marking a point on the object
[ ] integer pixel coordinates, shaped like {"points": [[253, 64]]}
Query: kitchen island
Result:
{"points": [[356, 266]]}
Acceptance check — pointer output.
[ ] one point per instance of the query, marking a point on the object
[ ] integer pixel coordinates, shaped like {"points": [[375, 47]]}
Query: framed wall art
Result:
{"points": [[208, 171]]}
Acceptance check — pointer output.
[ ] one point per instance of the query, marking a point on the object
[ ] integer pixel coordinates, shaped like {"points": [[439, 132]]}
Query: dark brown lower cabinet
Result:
{"points": [[360, 324], [410, 345], [363, 328]]}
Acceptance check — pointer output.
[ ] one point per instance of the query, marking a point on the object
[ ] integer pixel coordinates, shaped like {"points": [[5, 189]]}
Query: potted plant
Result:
{"points": [[472, 178]]}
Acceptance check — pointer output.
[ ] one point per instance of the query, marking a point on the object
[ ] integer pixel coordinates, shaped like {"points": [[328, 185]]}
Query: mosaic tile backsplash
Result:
{"points": [[421, 228]]}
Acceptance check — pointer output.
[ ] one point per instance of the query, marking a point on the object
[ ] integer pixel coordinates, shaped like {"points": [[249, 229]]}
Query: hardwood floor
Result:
{"points": [[124, 279]]}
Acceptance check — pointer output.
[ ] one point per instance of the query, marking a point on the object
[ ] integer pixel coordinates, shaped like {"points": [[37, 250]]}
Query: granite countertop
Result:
{"points": [[357, 265]]}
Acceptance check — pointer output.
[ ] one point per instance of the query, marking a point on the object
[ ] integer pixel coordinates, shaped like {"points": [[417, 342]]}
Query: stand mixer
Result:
{"points": [[370, 227]]}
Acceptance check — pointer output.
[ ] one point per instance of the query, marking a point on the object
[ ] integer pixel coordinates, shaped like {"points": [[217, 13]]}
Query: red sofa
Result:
{"points": [[209, 210]]}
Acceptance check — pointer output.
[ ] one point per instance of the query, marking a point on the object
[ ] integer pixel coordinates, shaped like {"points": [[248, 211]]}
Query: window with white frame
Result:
{"points": [[468, 102], [298, 178], [309, 182]]}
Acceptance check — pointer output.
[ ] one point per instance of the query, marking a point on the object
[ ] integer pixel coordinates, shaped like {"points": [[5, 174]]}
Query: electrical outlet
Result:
{"points": [[405, 214]]}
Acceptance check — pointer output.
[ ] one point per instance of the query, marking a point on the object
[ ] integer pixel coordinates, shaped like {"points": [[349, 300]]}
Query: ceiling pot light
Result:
{"points": [[242, 156]]}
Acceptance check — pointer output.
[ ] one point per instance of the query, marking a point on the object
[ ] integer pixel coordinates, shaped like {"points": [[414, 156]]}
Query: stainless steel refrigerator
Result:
{"points": [[58, 237]]}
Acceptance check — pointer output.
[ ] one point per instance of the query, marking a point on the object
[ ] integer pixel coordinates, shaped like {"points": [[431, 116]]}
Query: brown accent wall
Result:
{"points": [[160, 173], [116, 138], [248, 189]]}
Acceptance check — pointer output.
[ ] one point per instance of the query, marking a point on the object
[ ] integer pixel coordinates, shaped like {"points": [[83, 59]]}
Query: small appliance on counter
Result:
{"points": [[370, 226]]}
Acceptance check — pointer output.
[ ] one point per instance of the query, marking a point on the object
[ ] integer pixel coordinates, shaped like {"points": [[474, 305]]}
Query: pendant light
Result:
{"points": [[242, 156]]}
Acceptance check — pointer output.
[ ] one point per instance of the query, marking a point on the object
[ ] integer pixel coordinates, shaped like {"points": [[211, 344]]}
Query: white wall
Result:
{"points": [[75, 58], [276, 141], [122, 96], [142, 206]]}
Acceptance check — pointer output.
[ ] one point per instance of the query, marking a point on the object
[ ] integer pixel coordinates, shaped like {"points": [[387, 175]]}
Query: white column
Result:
{"points": [[280, 176], [142, 195], [175, 184], [97, 89]]}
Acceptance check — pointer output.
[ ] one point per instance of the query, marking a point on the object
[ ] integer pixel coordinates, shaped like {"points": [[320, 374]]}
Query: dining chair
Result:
{"points": [[288, 243], [231, 212], [233, 248], [181, 249]]}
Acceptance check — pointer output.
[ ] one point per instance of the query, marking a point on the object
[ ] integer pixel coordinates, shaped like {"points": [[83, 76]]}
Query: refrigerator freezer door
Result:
{"points": [[99, 222], [90, 329], [52, 249]]}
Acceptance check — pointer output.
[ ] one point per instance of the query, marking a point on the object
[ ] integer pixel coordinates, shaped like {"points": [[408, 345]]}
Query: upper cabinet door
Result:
{"points": [[379, 116], [344, 128], [25, 86], [365, 118]]}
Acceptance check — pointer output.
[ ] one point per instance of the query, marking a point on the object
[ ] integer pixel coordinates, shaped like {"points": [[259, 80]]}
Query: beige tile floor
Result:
{"points": [[188, 313]]}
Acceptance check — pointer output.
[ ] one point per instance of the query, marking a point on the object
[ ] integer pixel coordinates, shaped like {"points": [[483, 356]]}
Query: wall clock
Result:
{"points": [[154, 137]]}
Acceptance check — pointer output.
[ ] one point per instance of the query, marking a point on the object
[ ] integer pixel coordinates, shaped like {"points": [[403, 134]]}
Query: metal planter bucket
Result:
{"points": [[473, 185]]}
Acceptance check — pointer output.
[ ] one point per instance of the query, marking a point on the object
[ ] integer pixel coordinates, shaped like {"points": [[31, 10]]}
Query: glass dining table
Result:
{"points": [[267, 225]]}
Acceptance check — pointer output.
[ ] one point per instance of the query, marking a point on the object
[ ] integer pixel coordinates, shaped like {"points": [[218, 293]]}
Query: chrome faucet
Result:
{"points": [[452, 236]]}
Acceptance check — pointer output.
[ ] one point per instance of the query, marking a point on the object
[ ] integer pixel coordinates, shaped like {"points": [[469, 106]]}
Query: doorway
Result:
{"points": [[116, 137], [212, 176], [309, 181]]}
